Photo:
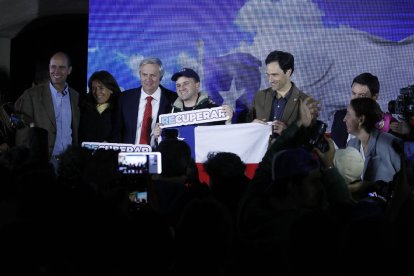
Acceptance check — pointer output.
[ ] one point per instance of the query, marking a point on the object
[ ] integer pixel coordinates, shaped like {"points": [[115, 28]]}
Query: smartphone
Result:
{"points": [[409, 161], [141, 197], [139, 163]]}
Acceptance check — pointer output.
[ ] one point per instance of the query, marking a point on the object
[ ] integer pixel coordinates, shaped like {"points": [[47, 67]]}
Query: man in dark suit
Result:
{"points": [[52, 106], [129, 114], [280, 102], [363, 85]]}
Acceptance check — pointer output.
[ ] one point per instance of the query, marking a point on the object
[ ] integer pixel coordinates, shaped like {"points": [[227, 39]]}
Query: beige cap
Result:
{"points": [[349, 163]]}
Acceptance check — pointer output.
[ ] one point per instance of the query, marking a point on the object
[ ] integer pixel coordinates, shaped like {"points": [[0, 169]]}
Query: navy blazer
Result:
{"points": [[339, 133], [125, 121]]}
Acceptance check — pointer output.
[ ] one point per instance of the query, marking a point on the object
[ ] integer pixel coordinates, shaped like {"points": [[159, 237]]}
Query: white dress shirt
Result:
{"points": [[156, 97]]}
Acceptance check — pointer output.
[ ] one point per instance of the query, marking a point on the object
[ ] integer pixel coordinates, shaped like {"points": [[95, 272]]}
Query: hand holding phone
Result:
{"points": [[139, 162]]}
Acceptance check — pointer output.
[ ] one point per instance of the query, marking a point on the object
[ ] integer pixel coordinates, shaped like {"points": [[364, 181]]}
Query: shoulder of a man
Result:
{"points": [[339, 114], [73, 91], [264, 91], [129, 95], [36, 89], [171, 95], [298, 92], [29, 95], [130, 91]]}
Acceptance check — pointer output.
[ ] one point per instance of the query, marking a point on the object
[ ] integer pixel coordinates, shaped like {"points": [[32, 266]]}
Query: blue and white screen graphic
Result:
{"points": [[226, 42]]}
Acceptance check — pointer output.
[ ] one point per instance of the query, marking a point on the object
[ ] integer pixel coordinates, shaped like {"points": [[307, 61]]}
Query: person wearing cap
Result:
{"points": [[350, 164], [279, 103], [187, 83], [129, 114]]}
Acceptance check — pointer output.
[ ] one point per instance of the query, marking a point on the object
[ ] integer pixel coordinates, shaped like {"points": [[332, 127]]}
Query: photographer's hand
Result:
{"points": [[400, 127], [308, 111]]}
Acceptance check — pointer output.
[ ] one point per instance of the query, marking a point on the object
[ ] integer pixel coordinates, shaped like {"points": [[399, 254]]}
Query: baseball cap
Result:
{"points": [[349, 163], [185, 72]]}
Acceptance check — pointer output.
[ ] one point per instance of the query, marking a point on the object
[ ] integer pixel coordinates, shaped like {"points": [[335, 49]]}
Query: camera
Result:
{"points": [[139, 163], [404, 104], [317, 133]]}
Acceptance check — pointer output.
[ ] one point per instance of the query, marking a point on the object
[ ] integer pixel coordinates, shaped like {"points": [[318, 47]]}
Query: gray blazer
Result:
{"points": [[382, 161], [262, 105], [37, 106]]}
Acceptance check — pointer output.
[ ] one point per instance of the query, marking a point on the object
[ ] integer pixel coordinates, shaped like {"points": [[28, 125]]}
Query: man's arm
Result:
{"points": [[308, 112]]}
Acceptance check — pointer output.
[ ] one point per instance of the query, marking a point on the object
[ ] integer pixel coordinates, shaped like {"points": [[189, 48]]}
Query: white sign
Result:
{"points": [[117, 146], [193, 117]]}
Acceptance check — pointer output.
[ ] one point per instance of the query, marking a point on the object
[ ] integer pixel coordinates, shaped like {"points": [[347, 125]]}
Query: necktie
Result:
{"points": [[146, 123]]}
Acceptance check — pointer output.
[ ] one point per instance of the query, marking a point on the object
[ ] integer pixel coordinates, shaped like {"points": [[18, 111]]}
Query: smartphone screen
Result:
{"points": [[141, 197], [139, 162], [409, 161]]}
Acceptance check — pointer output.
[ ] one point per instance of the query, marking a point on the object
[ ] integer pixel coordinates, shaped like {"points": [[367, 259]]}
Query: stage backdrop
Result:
{"points": [[227, 42]]}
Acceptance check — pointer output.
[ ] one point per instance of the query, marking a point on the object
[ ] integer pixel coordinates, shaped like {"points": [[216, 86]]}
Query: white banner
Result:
{"points": [[117, 146], [249, 141], [193, 117]]}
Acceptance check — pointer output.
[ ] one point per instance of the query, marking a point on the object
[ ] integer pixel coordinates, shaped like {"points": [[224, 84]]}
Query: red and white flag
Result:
{"points": [[249, 141]]}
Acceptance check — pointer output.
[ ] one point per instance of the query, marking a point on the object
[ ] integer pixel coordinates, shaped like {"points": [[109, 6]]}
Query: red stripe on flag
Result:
{"points": [[203, 176]]}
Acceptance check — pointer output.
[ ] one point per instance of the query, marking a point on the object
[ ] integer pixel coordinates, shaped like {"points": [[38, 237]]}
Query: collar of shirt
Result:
{"points": [[55, 91], [156, 96], [287, 96]]}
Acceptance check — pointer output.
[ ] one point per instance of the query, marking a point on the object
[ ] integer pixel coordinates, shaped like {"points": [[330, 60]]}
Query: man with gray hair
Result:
{"points": [[138, 108]]}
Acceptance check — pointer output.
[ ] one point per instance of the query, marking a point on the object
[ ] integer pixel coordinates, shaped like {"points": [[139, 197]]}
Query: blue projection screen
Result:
{"points": [[227, 42]]}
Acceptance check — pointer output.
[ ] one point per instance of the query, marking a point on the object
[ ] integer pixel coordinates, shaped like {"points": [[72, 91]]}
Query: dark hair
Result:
{"points": [[224, 165], [286, 60], [176, 157], [108, 81], [370, 109], [369, 80]]}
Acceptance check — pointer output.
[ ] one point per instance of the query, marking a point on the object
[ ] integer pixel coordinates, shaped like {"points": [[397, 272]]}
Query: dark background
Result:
{"points": [[39, 40]]}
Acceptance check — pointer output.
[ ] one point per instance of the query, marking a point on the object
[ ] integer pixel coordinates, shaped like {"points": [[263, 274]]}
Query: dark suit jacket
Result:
{"points": [[37, 105], [339, 133], [262, 105], [125, 123]]}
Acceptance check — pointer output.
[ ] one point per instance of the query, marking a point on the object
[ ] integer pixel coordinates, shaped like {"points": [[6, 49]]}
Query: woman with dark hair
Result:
{"points": [[97, 108], [378, 149]]}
